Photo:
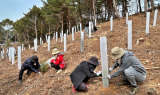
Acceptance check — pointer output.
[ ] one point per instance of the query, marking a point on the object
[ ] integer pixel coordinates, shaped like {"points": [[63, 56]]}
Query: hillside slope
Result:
{"points": [[147, 51]]}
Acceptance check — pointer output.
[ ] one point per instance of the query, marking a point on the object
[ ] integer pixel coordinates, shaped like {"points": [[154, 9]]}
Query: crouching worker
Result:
{"points": [[82, 73], [58, 63], [130, 68], [29, 66]]}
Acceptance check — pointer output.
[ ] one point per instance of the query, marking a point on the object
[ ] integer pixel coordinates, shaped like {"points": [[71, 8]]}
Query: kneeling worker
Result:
{"points": [[82, 73], [58, 63], [29, 65], [130, 67]]}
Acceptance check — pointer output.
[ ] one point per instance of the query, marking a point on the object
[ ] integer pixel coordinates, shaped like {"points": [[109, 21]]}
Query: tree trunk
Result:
{"points": [[57, 29], [49, 29], [152, 5], [80, 11], [125, 7], [94, 13], [28, 36], [24, 37], [35, 26], [148, 4], [116, 9], [7, 38], [109, 10], [62, 23], [145, 6], [69, 28], [15, 37], [105, 6], [140, 9], [41, 29]]}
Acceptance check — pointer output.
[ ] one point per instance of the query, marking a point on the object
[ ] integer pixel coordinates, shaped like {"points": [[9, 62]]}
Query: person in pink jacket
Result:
{"points": [[58, 63]]}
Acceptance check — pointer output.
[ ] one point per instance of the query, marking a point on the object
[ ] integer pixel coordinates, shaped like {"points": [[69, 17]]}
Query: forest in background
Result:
{"points": [[62, 15]]}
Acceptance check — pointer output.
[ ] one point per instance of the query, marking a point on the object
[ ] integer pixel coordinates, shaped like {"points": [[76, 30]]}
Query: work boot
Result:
{"points": [[59, 71], [87, 84], [20, 81], [124, 82], [133, 90]]}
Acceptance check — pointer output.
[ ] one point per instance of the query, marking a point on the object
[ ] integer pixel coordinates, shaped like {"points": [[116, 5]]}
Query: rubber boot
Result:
{"points": [[73, 89]]}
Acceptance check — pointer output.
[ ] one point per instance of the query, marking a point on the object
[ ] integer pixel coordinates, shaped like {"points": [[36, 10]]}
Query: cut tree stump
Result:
{"points": [[152, 91]]}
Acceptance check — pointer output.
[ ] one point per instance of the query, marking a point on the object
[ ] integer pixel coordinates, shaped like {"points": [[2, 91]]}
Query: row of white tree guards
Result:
{"points": [[103, 44]]}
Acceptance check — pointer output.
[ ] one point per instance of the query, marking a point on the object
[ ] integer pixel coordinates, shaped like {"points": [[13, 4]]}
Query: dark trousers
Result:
{"points": [[55, 66], [28, 71], [82, 87]]}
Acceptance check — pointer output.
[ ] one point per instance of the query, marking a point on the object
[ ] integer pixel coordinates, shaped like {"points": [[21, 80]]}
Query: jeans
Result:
{"points": [[86, 30]]}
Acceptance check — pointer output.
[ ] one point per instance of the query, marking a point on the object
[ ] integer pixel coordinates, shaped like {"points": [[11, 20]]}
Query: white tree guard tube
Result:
{"points": [[48, 43], [147, 22], [82, 41], [64, 42], [104, 61], [130, 34], [19, 57]]}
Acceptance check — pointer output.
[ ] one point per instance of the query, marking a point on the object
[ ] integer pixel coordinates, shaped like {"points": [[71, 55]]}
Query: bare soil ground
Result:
{"points": [[147, 51]]}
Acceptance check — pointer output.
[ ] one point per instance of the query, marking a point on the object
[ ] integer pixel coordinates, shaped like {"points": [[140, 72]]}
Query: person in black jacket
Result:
{"points": [[82, 73], [29, 65]]}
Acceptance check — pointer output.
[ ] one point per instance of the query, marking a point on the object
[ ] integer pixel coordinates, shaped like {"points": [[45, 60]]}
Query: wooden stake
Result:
{"points": [[152, 68]]}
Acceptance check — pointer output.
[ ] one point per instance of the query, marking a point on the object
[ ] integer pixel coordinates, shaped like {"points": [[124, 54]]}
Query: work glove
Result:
{"points": [[99, 61], [99, 73], [109, 77], [110, 70]]}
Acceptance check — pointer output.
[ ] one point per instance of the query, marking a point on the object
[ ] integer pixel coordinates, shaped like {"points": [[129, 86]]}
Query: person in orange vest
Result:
{"points": [[58, 63]]}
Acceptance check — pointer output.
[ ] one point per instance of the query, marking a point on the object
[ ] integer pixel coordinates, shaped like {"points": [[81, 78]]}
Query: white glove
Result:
{"points": [[99, 72], [39, 72], [110, 70], [109, 77]]}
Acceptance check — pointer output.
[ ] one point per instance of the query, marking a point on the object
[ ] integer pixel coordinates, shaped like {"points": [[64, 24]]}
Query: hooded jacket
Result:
{"points": [[29, 64], [127, 60], [81, 72], [59, 61]]}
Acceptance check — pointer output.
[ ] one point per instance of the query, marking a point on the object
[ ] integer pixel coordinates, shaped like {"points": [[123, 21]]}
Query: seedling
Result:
{"points": [[34, 52], [44, 67]]}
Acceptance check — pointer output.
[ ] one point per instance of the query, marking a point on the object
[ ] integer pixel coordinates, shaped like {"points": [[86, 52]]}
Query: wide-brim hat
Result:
{"points": [[93, 60], [55, 51], [34, 58], [117, 52]]}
